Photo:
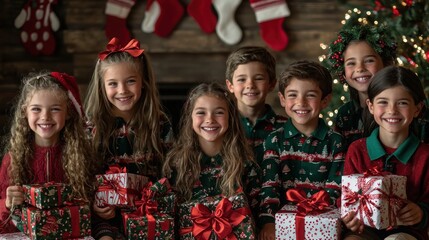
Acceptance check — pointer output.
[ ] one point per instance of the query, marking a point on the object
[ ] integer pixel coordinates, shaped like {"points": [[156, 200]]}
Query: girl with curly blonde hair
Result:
{"points": [[47, 141]]}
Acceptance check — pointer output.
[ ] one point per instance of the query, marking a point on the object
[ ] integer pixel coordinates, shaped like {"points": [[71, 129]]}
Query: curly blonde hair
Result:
{"points": [[146, 120], [184, 158], [76, 156]]}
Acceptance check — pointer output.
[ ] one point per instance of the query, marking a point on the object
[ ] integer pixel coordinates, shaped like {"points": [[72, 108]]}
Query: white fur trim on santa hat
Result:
{"points": [[75, 103]]}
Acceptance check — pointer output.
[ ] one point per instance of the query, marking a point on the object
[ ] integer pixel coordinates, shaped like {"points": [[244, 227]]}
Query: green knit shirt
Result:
{"points": [[292, 160]]}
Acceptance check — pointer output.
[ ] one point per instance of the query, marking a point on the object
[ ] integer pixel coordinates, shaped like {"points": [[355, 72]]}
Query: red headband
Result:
{"points": [[133, 48]]}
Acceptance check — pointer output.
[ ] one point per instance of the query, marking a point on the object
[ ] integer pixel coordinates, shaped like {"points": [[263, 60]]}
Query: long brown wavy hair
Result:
{"points": [[76, 155], [184, 158], [146, 120]]}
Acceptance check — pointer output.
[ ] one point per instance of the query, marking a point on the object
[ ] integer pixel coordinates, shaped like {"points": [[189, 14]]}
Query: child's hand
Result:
{"points": [[410, 214], [268, 232], [104, 212], [353, 223], [14, 196]]}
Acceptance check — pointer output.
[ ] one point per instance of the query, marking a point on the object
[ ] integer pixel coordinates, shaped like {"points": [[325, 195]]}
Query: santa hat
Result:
{"points": [[70, 84]]}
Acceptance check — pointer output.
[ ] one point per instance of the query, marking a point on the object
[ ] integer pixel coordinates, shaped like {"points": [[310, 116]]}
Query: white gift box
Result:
{"points": [[375, 199], [325, 225]]}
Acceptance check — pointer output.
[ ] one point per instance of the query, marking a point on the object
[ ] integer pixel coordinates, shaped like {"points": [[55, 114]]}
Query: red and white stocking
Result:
{"points": [[270, 15], [202, 12], [37, 22], [116, 16], [227, 28], [162, 16]]}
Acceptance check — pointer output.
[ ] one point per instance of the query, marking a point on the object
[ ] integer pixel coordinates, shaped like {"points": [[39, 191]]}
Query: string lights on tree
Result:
{"points": [[408, 23]]}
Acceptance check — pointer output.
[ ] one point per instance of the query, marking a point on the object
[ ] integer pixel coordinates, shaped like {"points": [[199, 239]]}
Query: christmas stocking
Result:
{"points": [[227, 28], [270, 15], [116, 15], [201, 11], [38, 22], [161, 16]]}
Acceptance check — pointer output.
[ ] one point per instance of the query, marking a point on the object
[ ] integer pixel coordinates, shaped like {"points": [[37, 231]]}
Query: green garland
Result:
{"points": [[377, 37]]}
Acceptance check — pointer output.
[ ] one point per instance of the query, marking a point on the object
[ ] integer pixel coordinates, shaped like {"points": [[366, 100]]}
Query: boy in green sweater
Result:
{"points": [[251, 76], [305, 153]]}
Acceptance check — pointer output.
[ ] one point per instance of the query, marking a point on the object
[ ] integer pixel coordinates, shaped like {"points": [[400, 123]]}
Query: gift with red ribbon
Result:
{"points": [[73, 221], [308, 218], [152, 220], [119, 188], [216, 217], [375, 196], [47, 195]]}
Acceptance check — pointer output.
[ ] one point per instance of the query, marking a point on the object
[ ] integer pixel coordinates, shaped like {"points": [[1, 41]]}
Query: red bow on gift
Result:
{"points": [[133, 48], [221, 220], [365, 199], [113, 169], [147, 204], [375, 171], [318, 202]]}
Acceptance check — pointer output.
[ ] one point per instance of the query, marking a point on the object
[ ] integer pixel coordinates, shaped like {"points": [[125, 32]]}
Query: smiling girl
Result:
{"points": [[126, 121], [47, 141], [395, 99]]}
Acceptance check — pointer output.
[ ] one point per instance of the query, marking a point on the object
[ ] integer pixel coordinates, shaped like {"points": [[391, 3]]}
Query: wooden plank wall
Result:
{"points": [[186, 58]]}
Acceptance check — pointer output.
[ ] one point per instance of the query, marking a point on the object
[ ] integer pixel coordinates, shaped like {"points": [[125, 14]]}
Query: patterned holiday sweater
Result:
{"points": [[46, 166], [348, 122], [257, 133], [121, 150], [211, 172], [410, 159], [292, 160]]}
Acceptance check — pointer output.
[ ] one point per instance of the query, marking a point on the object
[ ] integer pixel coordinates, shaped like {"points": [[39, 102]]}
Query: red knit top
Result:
{"points": [[46, 167]]}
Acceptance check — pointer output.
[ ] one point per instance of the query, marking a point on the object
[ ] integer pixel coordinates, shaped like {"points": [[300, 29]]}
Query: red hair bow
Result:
{"points": [[132, 47]]}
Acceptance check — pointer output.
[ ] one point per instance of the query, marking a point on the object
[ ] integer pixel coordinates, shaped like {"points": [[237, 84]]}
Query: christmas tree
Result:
{"points": [[407, 22]]}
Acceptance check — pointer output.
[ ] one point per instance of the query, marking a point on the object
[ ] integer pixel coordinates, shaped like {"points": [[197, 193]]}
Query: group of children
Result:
{"points": [[230, 140]]}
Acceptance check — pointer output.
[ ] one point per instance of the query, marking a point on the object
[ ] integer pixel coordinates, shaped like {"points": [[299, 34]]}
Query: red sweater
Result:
{"points": [[411, 159], [42, 155]]}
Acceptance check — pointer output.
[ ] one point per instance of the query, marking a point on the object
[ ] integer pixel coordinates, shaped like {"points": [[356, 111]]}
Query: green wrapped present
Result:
{"points": [[47, 195], [153, 218], [161, 192], [57, 223], [149, 226], [215, 218]]}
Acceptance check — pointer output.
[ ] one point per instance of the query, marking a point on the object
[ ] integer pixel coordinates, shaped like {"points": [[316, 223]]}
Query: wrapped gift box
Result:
{"points": [[57, 223], [149, 226], [319, 225], [233, 211], [154, 217], [375, 199], [48, 195], [22, 236], [162, 193], [119, 189]]}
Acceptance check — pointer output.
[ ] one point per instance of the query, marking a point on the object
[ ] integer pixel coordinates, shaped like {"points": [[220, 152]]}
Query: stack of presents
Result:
{"points": [[149, 209], [50, 212], [375, 196]]}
